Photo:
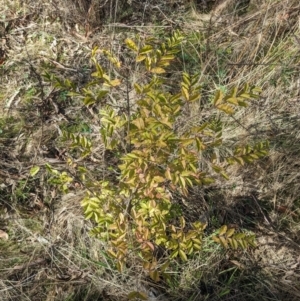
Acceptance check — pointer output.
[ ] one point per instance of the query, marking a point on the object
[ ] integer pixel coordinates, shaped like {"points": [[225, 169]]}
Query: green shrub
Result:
{"points": [[133, 209]]}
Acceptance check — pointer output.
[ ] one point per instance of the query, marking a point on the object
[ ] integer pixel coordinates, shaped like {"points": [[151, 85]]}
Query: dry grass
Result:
{"points": [[48, 254]]}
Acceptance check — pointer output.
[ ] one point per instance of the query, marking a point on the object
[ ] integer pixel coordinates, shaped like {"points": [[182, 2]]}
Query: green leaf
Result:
{"points": [[138, 88], [158, 70], [185, 92], [140, 58], [182, 182], [194, 97], [145, 49], [239, 236], [226, 108], [207, 181], [256, 90], [223, 230], [233, 101], [230, 232], [200, 145], [182, 255], [174, 254], [239, 160], [218, 98], [245, 95], [88, 101], [154, 276], [233, 243], [131, 44], [216, 239], [223, 242], [34, 170], [197, 247]]}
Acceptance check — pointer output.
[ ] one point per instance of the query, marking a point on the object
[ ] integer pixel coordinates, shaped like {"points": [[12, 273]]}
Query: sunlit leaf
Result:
{"points": [[223, 242], [230, 232], [131, 44], [185, 93], [34, 170], [226, 108], [145, 49], [140, 58], [223, 230], [216, 239], [218, 98], [158, 70], [182, 255]]}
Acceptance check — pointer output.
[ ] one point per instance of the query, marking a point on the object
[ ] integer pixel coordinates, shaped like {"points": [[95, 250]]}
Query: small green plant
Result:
{"points": [[228, 238], [60, 179], [134, 211]]}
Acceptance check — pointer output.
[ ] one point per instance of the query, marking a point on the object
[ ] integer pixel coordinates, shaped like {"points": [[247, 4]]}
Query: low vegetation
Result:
{"points": [[149, 151]]}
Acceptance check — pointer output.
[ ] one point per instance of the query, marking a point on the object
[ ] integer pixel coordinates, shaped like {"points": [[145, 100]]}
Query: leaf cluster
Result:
{"points": [[228, 238], [134, 212]]}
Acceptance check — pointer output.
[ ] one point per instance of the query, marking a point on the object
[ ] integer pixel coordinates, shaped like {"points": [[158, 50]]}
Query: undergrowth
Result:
{"points": [[47, 252], [133, 210]]}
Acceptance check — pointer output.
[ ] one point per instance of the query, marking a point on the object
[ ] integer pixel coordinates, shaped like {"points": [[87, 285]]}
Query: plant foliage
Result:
{"points": [[134, 211]]}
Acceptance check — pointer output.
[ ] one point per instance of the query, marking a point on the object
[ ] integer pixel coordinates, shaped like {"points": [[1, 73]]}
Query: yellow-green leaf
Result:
{"points": [[182, 255], [223, 230], [245, 95], [34, 170], [197, 247], [168, 174], [216, 239], [182, 182], [200, 145], [131, 44], [257, 89], [158, 70], [239, 160], [115, 82], [207, 181], [226, 108], [111, 253], [243, 243], [138, 88], [239, 236], [230, 232], [146, 49], [233, 100], [182, 222], [120, 266], [194, 97], [185, 93], [154, 275], [233, 243], [174, 254], [218, 98], [139, 123], [140, 58], [223, 242]]}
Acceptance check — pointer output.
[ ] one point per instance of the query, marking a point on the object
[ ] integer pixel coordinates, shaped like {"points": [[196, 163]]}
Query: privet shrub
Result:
{"points": [[132, 209]]}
